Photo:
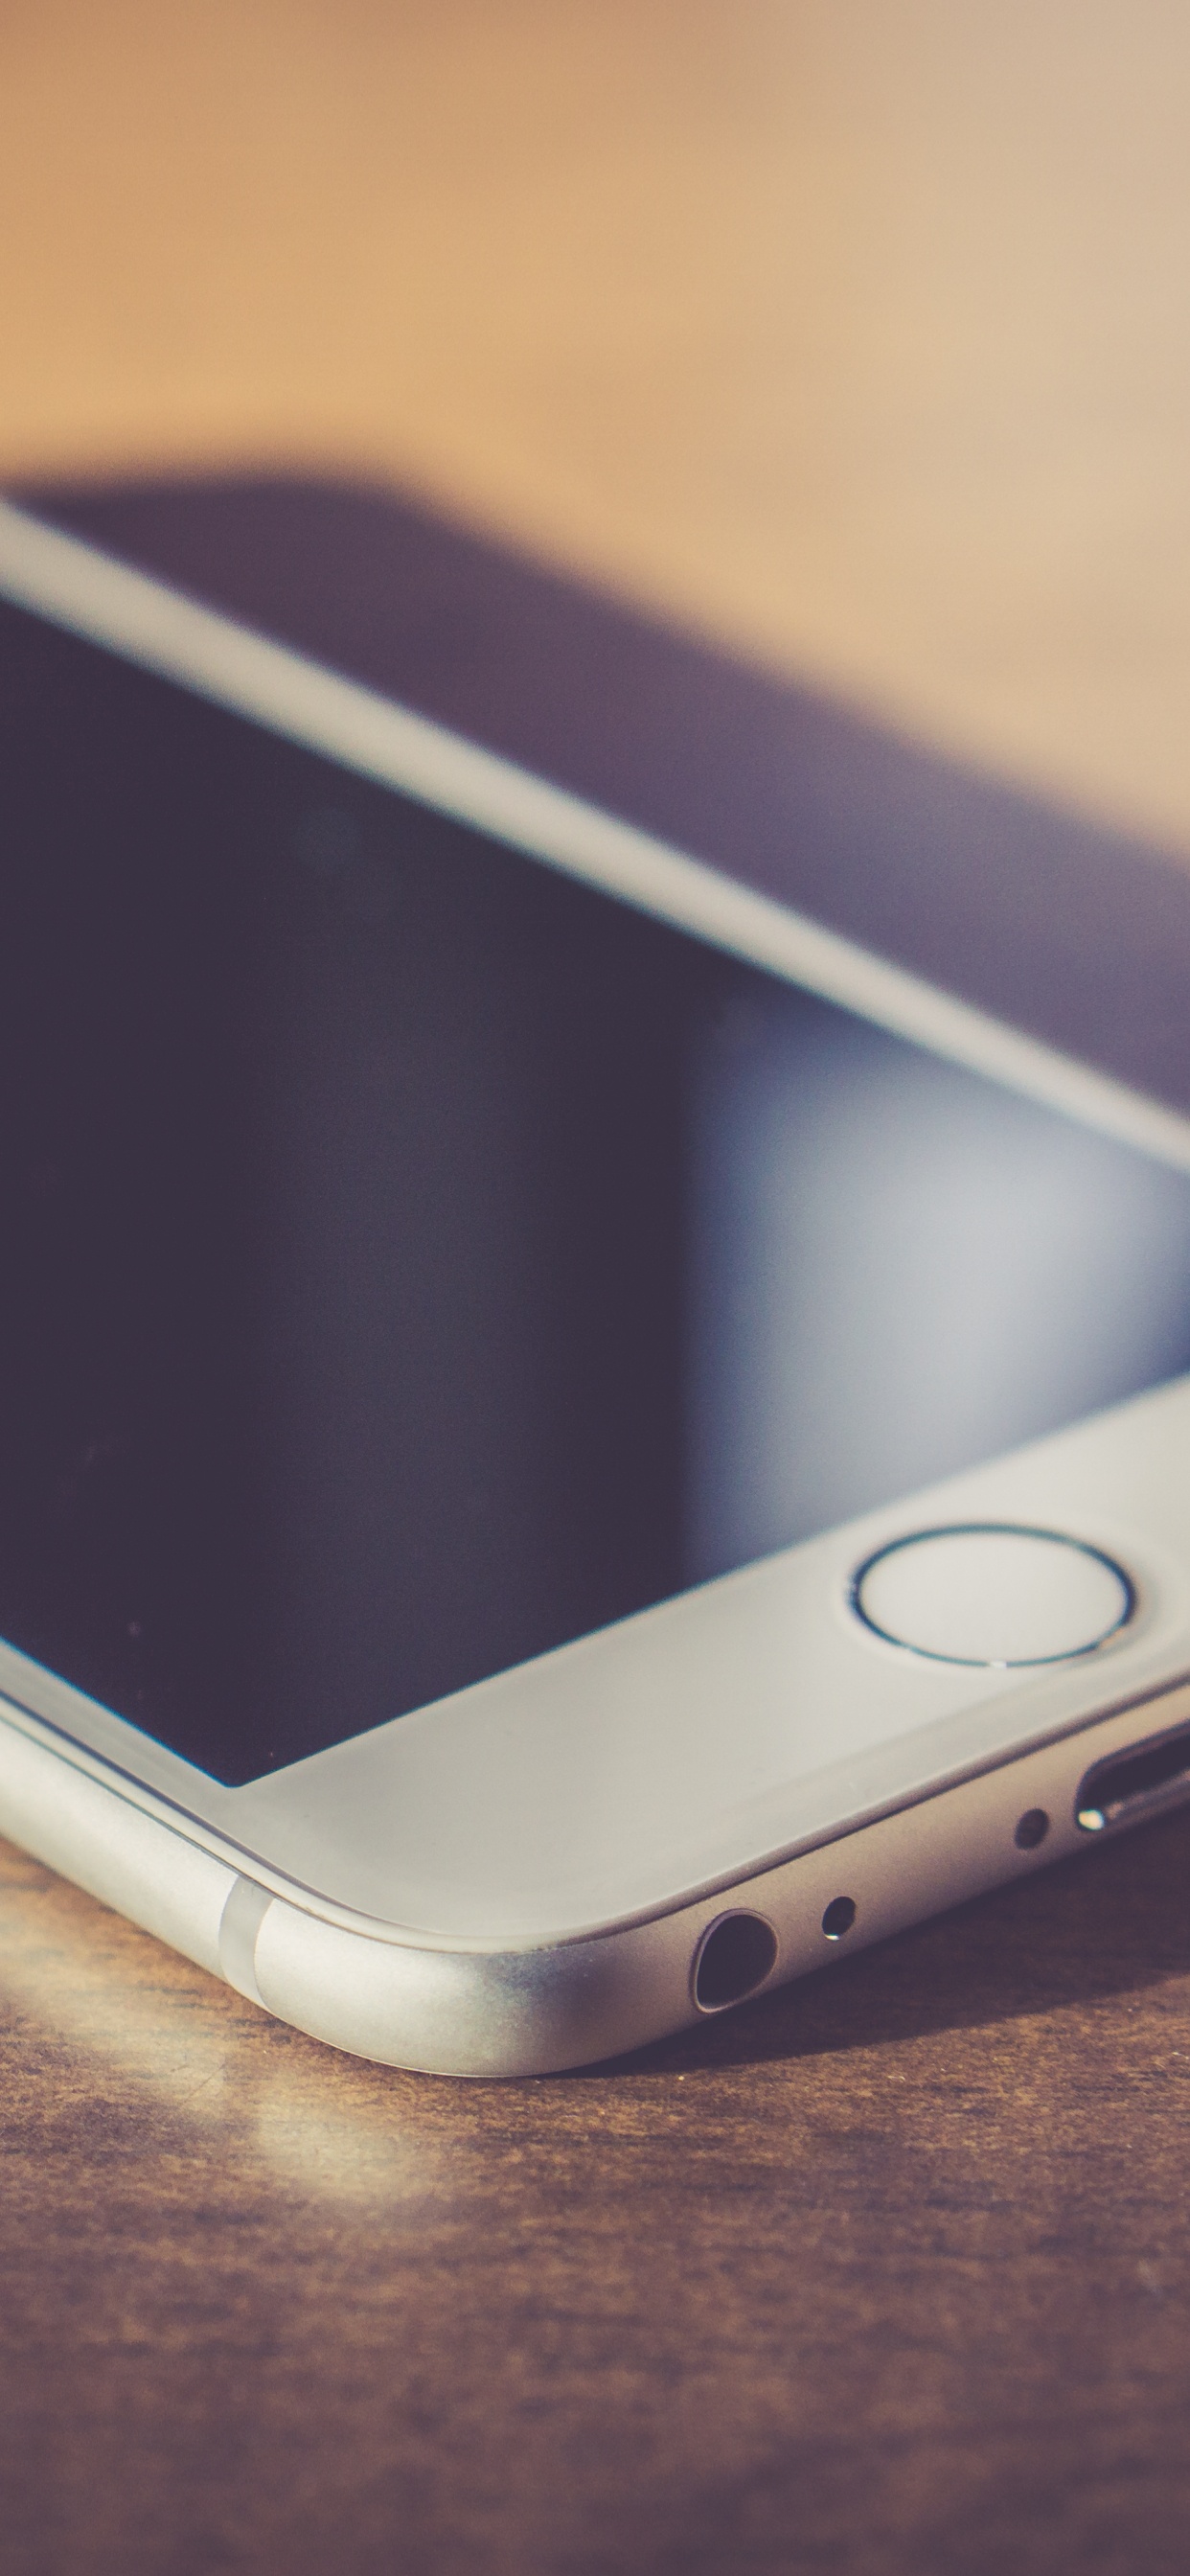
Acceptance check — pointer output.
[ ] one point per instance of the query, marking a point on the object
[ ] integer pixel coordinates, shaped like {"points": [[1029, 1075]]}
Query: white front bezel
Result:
{"points": [[683, 1749]]}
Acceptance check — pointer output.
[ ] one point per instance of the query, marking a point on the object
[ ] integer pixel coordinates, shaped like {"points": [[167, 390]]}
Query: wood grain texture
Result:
{"points": [[886, 2272], [852, 332]]}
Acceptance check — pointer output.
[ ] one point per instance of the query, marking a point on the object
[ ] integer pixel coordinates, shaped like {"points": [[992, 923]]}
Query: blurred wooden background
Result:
{"points": [[853, 333]]}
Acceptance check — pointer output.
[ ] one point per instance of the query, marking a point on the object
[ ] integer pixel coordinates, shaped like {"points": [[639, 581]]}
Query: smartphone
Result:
{"points": [[574, 1445]]}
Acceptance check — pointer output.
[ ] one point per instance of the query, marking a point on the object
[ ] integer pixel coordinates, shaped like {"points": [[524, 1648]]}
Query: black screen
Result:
{"points": [[414, 1259]]}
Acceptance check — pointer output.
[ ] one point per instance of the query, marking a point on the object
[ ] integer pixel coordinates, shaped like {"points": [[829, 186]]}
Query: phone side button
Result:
{"points": [[241, 1919]]}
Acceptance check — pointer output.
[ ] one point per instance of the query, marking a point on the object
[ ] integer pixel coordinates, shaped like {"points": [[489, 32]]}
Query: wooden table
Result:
{"points": [[849, 336], [887, 2272]]}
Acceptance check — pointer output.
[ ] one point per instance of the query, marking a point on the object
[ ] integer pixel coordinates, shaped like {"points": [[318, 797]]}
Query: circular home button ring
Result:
{"points": [[990, 1593]]}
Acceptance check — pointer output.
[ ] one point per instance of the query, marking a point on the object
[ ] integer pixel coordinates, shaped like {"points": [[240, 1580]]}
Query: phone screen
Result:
{"points": [[415, 1259]]}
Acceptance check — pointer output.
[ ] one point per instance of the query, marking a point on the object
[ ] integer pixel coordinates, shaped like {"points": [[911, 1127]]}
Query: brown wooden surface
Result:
{"points": [[887, 2272], [854, 333]]}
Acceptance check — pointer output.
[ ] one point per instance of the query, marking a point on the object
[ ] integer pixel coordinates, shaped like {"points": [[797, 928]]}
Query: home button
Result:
{"points": [[993, 1594]]}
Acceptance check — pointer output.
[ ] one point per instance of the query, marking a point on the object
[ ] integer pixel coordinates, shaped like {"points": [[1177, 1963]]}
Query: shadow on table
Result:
{"points": [[1111, 1921]]}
